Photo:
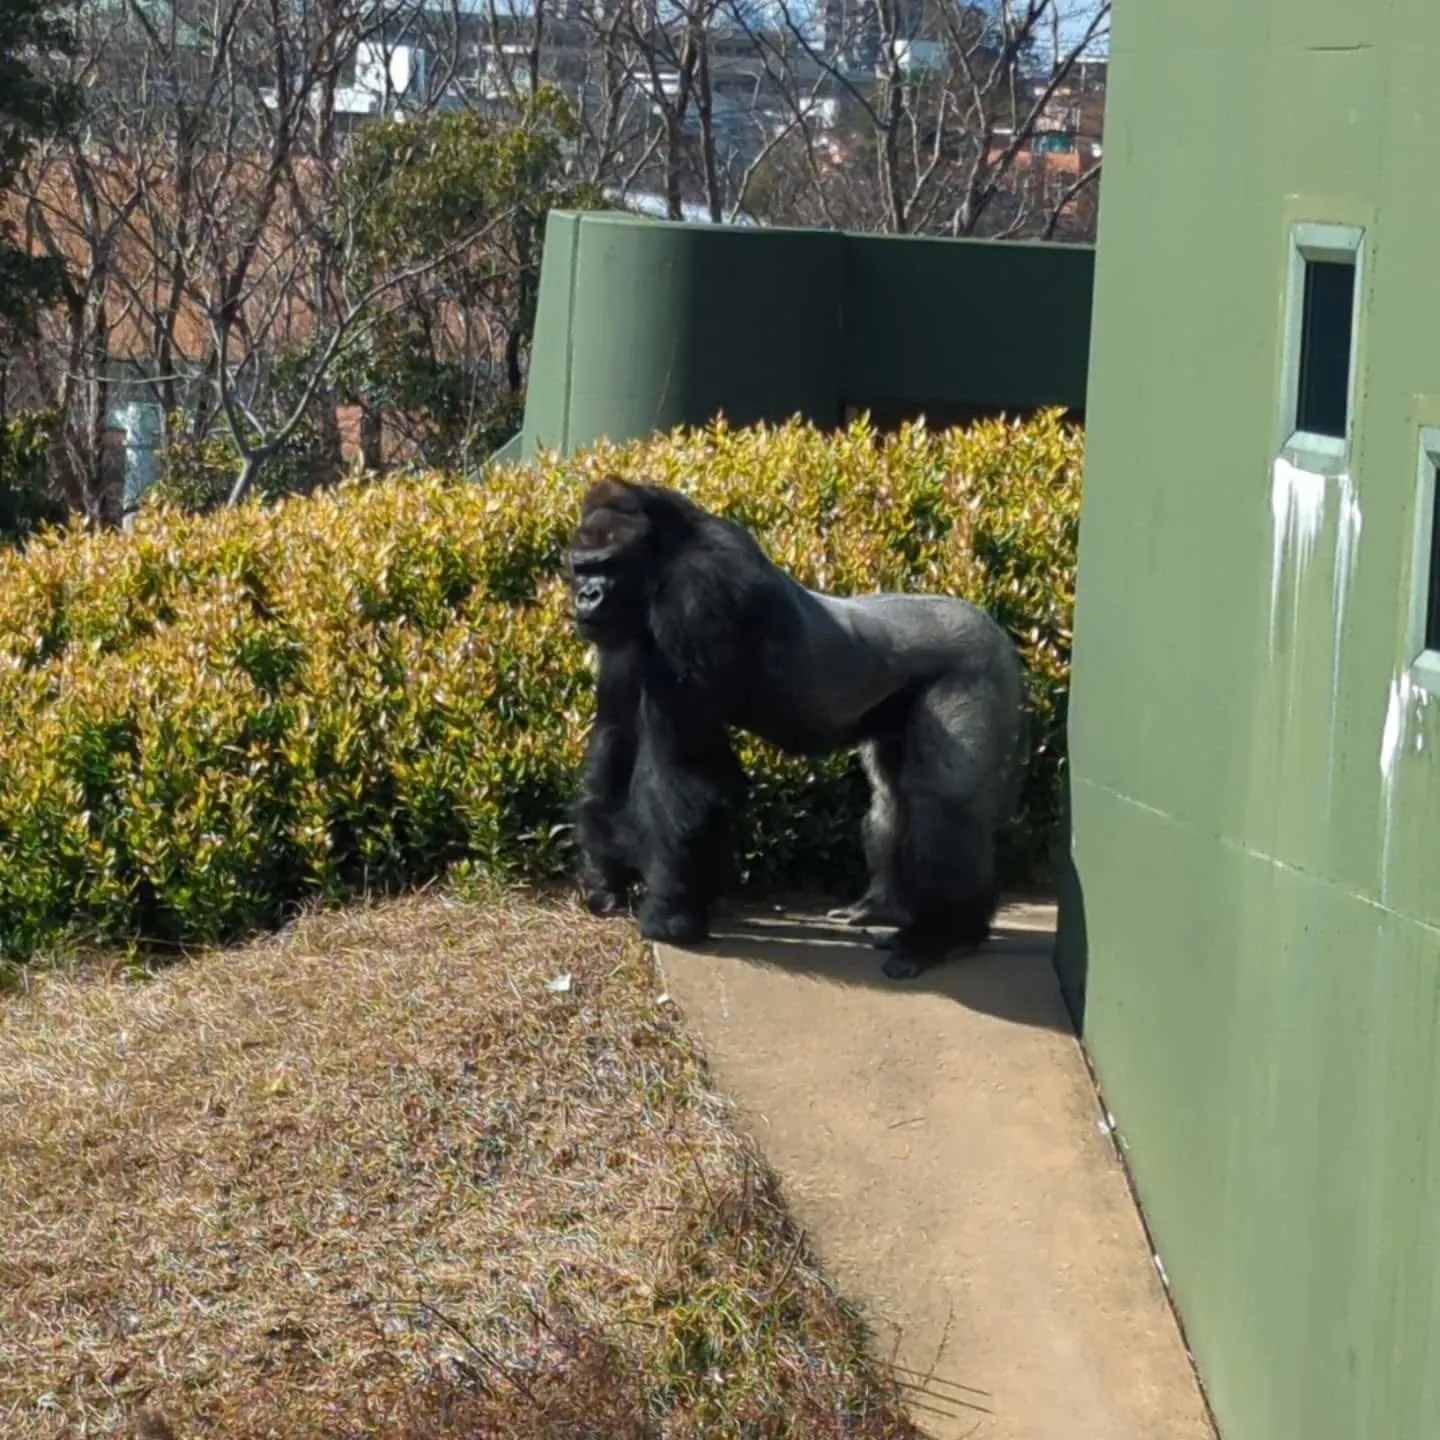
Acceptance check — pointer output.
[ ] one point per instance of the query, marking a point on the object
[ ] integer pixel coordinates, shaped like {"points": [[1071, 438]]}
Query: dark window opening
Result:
{"points": [[1326, 321], [1432, 600]]}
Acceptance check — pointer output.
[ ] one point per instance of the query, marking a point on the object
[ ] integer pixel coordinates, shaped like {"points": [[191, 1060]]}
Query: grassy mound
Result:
{"points": [[211, 720], [393, 1172]]}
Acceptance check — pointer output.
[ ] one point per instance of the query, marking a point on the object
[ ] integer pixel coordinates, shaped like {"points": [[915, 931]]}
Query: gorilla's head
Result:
{"points": [[612, 554]]}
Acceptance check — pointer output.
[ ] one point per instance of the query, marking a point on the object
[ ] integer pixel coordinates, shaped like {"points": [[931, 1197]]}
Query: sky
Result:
{"points": [[1077, 16]]}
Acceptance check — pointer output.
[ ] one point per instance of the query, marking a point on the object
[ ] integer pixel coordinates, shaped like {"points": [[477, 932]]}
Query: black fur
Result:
{"points": [[697, 633]]}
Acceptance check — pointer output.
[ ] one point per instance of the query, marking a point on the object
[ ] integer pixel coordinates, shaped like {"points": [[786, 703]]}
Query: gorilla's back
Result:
{"points": [[838, 670]]}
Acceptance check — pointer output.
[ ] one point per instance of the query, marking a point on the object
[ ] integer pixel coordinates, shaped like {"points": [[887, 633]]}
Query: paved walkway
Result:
{"points": [[941, 1142]]}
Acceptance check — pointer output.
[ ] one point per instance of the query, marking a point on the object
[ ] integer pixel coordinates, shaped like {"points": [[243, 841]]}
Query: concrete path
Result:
{"points": [[941, 1142]]}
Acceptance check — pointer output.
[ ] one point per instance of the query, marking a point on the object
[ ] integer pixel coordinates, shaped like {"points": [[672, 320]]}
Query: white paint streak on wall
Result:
{"points": [[1347, 541], [1348, 526], [1297, 510], [1393, 735], [1392, 741]]}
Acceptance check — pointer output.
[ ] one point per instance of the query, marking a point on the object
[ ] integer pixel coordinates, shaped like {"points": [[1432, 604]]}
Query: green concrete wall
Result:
{"points": [[1254, 919], [641, 326]]}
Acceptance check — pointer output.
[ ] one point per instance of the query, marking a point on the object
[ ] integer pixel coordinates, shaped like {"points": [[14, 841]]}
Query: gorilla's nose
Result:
{"points": [[589, 595]]}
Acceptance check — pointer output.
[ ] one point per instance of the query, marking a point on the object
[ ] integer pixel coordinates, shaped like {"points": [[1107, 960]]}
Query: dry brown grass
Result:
{"points": [[373, 1176]]}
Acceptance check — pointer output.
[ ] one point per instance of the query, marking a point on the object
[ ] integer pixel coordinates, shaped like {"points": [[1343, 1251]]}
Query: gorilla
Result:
{"points": [[698, 632]]}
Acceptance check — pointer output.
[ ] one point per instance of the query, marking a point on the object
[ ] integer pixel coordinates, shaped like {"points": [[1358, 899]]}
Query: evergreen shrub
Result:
{"points": [[212, 718]]}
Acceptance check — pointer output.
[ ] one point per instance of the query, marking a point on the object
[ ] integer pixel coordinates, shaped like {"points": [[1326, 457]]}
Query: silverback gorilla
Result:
{"points": [[698, 632]]}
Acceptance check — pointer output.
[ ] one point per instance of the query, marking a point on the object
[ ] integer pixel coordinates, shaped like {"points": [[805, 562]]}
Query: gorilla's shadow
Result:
{"points": [[1012, 976]]}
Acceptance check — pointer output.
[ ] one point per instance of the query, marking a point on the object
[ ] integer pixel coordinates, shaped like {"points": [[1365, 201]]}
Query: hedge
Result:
{"points": [[210, 719]]}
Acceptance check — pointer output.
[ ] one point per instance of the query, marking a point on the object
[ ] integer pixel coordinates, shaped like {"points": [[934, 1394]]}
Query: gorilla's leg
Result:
{"points": [[606, 868], [951, 776], [604, 832], [880, 904], [686, 786], [947, 861], [604, 829]]}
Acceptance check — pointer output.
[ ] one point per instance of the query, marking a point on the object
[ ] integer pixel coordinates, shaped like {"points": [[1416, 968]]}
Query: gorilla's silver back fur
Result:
{"points": [[949, 775], [857, 651]]}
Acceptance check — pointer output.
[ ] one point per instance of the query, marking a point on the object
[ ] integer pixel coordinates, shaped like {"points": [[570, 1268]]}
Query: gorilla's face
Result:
{"points": [[609, 607], [609, 559]]}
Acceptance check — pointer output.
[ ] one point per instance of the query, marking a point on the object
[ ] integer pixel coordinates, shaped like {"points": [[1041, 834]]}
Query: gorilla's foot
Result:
{"points": [[601, 901], [906, 964], [914, 949], [911, 955], [672, 925]]}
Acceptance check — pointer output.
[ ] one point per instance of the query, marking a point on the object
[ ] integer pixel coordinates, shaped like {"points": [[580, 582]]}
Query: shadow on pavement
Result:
{"points": [[1011, 977]]}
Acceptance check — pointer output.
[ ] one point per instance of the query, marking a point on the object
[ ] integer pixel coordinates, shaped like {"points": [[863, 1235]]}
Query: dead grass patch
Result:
{"points": [[391, 1173]]}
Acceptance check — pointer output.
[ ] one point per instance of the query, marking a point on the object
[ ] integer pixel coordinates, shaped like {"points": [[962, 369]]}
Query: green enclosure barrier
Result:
{"points": [[644, 325], [1253, 918]]}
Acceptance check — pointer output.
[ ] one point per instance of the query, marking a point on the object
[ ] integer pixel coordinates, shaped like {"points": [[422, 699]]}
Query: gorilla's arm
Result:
{"points": [[686, 790], [603, 823]]}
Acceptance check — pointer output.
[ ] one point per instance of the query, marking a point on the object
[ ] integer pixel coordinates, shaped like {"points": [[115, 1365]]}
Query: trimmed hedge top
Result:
{"points": [[210, 719]]}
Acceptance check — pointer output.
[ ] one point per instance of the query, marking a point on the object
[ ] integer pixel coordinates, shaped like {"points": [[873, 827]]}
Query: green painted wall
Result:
{"points": [[994, 325], [642, 326], [1254, 919]]}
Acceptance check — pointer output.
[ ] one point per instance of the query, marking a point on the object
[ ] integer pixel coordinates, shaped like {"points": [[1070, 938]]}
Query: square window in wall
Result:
{"points": [[1321, 325], [1423, 640]]}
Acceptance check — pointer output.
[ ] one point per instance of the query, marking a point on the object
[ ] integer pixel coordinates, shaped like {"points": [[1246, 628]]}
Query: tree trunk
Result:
{"points": [[675, 128], [245, 480], [372, 437], [705, 108]]}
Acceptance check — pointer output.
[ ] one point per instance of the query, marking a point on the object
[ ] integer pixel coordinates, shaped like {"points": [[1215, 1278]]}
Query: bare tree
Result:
{"points": [[227, 254], [163, 204], [952, 117], [931, 112], [81, 194], [220, 240]]}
